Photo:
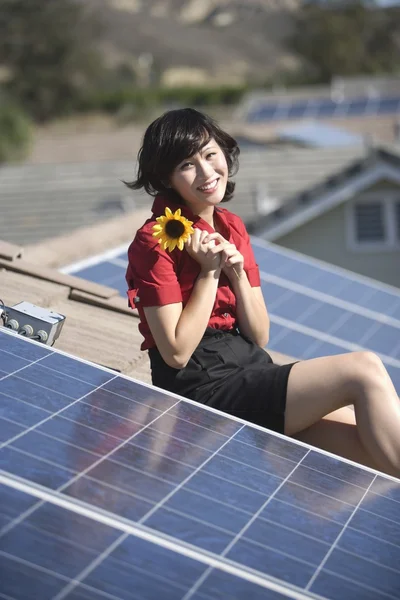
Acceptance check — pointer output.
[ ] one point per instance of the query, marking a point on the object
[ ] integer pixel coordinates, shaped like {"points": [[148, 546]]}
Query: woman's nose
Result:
{"points": [[205, 170]]}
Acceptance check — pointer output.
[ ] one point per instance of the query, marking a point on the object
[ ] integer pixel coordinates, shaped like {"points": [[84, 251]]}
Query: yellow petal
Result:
{"points": [[157, 228], [168, 212], [177, 214], [181, 243]]}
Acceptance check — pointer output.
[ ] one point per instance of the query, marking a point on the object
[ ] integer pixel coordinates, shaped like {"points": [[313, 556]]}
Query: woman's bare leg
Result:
{"points": [[337, 433], [321, 386]]}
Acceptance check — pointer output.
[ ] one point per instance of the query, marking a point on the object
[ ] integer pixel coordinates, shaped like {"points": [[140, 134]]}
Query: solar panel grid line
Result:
{"points": [[79, 474], [23, 367], [58, 575], [188, 413], [129, 527], [330, 299], [150, 452], [170, 394], [326, 337], [3, 444], [39, 568], [243, 530], [85, 572], [153, 510], [333, 546], [312, 260], [196, 493]]}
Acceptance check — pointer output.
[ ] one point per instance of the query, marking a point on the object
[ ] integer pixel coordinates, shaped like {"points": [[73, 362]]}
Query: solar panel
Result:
{"points": [[114, 489], [261, 110], [108, 268], [316, 309]]}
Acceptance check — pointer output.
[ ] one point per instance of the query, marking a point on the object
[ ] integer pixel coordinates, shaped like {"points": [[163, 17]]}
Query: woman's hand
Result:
{"points": [[232, 262], [204, 252]]}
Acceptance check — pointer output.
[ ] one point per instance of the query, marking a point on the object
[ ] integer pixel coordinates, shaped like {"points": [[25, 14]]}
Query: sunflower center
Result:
{"points": [[174, 229]]}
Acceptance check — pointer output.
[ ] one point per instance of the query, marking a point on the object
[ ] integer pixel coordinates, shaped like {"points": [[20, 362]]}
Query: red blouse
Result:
{"points": [[156, 277]]}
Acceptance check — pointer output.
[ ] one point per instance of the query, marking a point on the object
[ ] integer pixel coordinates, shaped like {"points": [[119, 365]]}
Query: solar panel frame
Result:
{"points": [[317, 475]]}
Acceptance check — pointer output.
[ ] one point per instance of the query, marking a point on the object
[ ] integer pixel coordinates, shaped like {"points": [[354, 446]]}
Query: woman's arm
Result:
{"points": [[251, 312], [176, 331]]}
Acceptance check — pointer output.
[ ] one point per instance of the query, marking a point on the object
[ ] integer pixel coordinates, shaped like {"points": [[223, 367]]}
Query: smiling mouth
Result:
{"points": [[210, 187]]}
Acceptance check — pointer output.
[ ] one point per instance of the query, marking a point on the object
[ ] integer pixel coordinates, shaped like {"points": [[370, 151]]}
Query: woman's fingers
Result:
{"points": [[216, 237]]}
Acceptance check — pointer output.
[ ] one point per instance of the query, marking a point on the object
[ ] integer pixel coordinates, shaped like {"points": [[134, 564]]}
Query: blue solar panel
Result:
{"points": [[322, 108], [108, 269], [114, 489], [320, 309], [325, 108]]}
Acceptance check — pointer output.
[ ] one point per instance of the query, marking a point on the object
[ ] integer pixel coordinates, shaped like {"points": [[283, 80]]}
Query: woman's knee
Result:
{"points": [[366, 369]]}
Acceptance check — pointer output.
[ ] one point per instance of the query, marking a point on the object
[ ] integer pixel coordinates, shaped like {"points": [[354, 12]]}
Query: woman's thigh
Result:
{"points": [[337, 433], [318, 387]]}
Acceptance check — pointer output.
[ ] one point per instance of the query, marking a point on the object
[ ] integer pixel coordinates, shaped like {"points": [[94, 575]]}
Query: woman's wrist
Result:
{"points": [[210, 273]]}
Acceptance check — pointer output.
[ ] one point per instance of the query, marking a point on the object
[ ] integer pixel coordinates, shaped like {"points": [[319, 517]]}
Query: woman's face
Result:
{"points": [[201, 179]]}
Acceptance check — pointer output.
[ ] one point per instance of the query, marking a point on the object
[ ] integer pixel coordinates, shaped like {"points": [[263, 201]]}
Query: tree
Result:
{"points": [[15, 133], [45, 48], [346, 38]]}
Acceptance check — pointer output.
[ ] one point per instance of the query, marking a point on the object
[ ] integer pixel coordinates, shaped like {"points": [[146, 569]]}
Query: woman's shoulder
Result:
{"points": [[144, 235]]}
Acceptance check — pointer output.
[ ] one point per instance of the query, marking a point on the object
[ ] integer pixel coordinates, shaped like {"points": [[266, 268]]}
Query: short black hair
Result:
{"points": [[176, 135]]}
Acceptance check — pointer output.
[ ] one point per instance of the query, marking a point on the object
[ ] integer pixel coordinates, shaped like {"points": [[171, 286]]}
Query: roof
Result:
{"points": [[380, 128], [330, 190], [41, 202], [99, 326], [267, 179]]}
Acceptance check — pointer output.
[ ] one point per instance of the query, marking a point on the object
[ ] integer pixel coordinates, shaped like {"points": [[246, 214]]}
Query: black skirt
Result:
{"points": [[230, 373]]}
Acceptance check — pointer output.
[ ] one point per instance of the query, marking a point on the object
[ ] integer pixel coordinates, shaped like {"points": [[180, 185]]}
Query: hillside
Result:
{"points": [[198, 41]]}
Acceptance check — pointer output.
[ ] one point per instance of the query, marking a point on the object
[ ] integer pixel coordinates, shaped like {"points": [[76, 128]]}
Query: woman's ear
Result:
{"points": [[166, 184]]}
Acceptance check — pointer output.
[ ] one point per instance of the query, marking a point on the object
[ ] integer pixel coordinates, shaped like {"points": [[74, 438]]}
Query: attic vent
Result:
{"points": [[369, 222]]}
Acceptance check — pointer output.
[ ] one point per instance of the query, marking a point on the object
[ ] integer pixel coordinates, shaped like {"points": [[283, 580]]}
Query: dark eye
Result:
{"points": [[186, 165], [211, 154]]}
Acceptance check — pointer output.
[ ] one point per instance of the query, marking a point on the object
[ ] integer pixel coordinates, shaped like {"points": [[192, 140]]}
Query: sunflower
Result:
{"points": [[172, 229]]}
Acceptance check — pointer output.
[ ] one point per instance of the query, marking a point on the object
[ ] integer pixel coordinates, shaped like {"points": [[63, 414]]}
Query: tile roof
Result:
{"points": [[99, 326], [39, 202]]}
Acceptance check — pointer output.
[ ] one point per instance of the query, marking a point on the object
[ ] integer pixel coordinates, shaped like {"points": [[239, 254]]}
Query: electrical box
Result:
{"points": [[34, 322]]}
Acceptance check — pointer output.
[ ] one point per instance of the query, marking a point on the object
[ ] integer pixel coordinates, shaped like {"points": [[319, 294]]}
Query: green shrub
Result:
{"points": [[15, 133], [138, 102]]}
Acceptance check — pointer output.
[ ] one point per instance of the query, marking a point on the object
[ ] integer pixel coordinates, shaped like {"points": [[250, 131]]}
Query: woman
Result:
{"points": [[203, 316]]}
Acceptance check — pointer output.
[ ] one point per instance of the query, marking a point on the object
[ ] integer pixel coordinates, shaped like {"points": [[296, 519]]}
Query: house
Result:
{"points": [[349, 216]]}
